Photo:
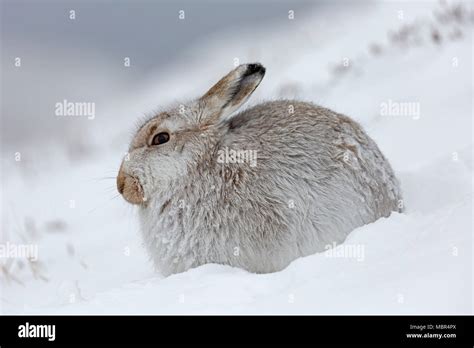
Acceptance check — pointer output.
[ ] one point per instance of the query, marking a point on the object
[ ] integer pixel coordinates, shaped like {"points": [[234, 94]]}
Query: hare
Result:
{"points": [[255, 189]]}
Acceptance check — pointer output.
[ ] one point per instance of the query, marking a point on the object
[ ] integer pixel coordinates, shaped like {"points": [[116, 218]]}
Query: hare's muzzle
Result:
{"points": [[129, 187]]}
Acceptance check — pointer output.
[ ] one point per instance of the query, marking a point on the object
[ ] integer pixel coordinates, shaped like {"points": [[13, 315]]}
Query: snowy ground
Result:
{"points": [[352, 58]]}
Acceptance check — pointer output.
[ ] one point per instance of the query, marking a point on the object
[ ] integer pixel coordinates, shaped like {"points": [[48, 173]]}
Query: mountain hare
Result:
{"points": [[255, 189]]}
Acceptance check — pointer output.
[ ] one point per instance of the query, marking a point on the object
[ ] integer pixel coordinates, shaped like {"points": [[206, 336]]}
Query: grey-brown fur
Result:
{"points": [[317, 177]]}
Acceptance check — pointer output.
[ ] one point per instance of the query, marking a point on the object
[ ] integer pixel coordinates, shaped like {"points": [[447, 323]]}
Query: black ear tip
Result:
{"points": [[255, 68]]}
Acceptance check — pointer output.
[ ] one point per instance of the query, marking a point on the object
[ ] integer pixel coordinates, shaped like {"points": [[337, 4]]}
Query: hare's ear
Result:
{"points": [[231, 92]]}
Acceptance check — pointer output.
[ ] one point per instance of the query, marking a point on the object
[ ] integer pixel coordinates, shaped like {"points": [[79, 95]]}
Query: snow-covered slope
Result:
{"points": [[358, 62]]}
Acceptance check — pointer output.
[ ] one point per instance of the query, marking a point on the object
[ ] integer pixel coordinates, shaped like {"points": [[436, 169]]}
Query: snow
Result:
{"points": [[91, 260]]}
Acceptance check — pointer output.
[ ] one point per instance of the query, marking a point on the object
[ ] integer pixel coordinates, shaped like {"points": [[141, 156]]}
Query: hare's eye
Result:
{"points": [[160, 138]]}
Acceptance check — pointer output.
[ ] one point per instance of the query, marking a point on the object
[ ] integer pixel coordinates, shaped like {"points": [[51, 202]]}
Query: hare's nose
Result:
{"points": [[121, 181]]}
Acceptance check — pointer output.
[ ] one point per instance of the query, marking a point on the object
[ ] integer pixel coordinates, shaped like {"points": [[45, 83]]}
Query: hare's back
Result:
{"points": [[310, 148], [293, 124]]}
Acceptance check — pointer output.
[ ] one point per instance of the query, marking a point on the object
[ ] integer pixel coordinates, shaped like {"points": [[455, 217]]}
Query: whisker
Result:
{"points": [[105, 178], [110, 189], [101, 205]]}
